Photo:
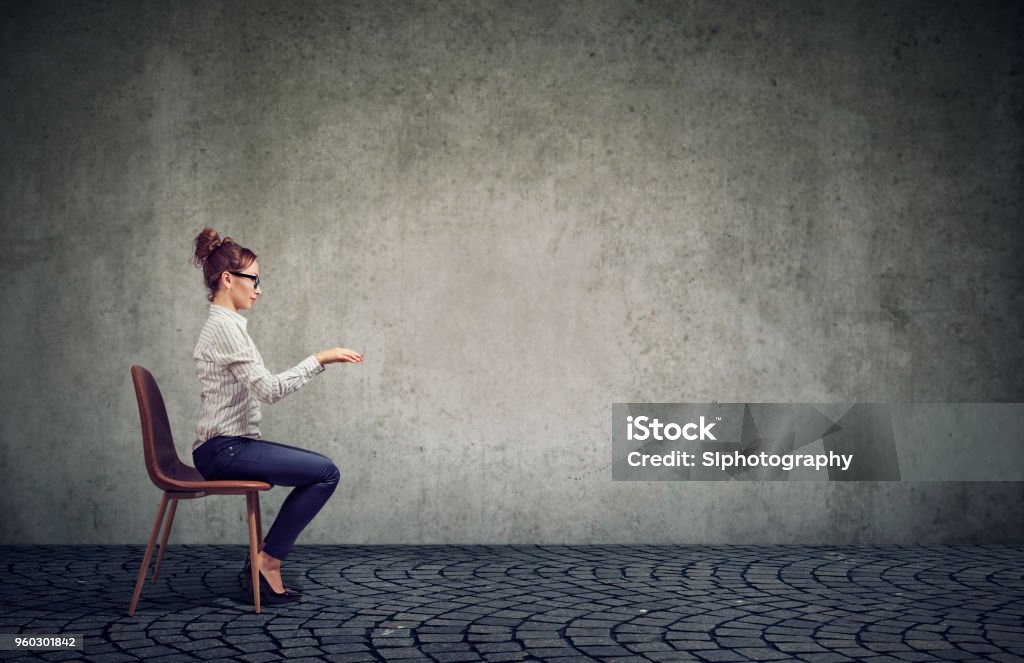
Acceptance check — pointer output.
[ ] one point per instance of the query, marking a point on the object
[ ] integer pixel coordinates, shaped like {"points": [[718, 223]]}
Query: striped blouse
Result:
{"points": [[235, 380]]}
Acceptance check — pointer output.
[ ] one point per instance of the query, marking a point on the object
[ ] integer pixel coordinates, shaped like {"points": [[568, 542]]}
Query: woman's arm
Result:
{"points": [[338, 355], [233, 349], [270, 388]]}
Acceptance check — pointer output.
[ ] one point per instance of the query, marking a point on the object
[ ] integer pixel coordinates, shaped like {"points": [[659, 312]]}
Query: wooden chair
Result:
{"points": [[178, 481]]}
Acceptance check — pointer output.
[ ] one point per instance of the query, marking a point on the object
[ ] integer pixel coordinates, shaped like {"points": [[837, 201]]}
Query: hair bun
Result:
{"points": [[214, 262]]}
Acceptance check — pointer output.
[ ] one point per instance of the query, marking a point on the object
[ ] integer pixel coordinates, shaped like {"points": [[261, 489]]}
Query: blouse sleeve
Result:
{"points": [[234, 349]]}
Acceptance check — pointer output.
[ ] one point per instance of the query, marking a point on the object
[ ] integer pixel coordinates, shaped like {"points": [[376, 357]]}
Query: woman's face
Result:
{"points": [[243, 291]]}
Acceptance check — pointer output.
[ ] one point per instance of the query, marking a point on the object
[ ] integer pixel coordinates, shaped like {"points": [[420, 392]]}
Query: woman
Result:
{"points": [[235, 382]]}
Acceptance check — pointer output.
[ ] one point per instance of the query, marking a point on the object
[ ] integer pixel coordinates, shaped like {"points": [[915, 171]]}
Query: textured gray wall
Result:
{"points": [[520, 213]]}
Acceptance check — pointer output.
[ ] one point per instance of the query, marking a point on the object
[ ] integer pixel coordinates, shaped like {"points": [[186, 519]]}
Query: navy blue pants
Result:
{"points": [[314, 476]]}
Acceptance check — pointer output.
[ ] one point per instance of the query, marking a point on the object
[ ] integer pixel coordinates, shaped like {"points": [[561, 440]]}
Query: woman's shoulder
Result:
{"points": [[223, 330]]}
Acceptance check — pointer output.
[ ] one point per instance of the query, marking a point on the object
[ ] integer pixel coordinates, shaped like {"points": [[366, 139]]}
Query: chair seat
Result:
{"points": [[185, 478], [218, 487]]}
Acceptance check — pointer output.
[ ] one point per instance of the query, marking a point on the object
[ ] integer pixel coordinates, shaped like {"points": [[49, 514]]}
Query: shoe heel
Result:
{"points": [[247, 575]]}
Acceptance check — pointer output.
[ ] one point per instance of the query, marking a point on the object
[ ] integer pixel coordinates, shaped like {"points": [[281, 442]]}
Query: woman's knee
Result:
{"points": [[330, 473]]}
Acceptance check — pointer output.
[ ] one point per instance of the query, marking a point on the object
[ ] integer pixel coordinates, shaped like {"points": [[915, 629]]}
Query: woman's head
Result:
{"points": [[219, 258]]}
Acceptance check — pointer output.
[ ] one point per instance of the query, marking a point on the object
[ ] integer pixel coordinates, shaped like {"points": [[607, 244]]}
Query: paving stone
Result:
{"points": [[647, 647], [720, 655], [545, 653], [399, 652], [436, 647], [694, 645], [762, 653], [498, 647], [487, 637], [604, 651], [613, 603], [802, 647], [736, 643], [591, 640], [344, 647], [828, 657], [452, 657]]}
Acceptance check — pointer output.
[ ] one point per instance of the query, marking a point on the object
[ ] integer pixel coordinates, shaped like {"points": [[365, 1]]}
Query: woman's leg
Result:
{"points": [[314, 475]]}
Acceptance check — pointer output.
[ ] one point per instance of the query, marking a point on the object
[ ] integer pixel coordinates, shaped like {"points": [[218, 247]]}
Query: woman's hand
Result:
{"points": [[339, 355]]}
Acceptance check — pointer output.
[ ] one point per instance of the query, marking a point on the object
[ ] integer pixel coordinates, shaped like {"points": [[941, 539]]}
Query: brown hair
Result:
{"points": [[217, 256]]}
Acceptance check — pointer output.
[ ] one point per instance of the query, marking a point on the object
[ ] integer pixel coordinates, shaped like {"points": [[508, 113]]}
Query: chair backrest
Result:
{"points": [[162, 462]]}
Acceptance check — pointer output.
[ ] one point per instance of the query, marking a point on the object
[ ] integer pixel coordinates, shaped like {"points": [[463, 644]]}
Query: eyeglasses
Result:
{"points": [[255, 278]]}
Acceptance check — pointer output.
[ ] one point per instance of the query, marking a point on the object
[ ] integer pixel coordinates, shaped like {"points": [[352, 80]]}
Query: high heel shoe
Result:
{"points": [[246, 576], [289, 594]]}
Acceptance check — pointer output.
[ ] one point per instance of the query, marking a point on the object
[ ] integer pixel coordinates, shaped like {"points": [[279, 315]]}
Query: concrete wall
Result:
{"points": [[520, 213]]}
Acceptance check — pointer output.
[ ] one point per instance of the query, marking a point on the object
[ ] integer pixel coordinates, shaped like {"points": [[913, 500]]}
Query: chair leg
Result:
{"points": [[148, 556], [163, 539], [259, 523], [252, 509]]}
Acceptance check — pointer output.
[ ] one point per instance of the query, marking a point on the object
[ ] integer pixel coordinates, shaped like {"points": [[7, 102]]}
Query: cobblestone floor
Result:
{"points": [[512, 603]]}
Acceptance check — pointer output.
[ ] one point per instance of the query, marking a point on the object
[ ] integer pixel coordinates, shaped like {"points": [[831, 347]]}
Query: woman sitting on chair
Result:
{"points": [[235, 382]]}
